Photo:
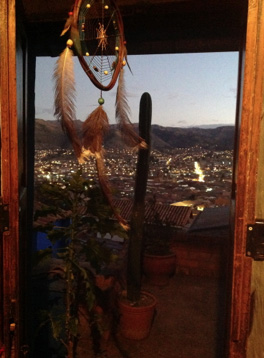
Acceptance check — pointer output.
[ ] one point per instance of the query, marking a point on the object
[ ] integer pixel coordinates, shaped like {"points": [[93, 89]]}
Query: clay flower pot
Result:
{"points": [[159, 268], [136, 319]]}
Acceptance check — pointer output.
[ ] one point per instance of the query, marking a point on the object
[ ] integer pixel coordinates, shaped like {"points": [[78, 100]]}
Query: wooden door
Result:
{"points": [[246, 188], [9, 187], [17, 153]]}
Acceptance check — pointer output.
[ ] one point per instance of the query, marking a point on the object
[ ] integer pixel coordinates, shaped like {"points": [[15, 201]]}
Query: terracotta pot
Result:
{"points": [[159, 269], [136, 321]]}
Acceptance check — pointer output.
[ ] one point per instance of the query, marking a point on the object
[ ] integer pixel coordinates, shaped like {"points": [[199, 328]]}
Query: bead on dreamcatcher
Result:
{"points": [[97, 35]]}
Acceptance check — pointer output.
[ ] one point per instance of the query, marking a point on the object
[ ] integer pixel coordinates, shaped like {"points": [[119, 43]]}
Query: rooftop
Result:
{"points": [[176, 216]]}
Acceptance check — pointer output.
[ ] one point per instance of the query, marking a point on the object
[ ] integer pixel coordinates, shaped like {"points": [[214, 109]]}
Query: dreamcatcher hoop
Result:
{"points": [[98, 35]]}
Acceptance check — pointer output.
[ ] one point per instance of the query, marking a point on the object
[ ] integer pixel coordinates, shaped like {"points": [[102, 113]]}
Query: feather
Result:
{"points": [[94, 128], [125, 57], [67, 24], [106, 188], [122, 115], [65, 97]]}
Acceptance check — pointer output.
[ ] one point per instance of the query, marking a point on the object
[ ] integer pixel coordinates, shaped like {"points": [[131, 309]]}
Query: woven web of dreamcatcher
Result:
{"points": [[101, 40]]}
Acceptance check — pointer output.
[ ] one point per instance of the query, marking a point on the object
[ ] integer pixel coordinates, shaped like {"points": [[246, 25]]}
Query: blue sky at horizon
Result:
{"points": [[186, 89]]}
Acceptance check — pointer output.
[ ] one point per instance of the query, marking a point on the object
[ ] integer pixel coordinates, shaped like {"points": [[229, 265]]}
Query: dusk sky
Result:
{"points": [[186, 89]]}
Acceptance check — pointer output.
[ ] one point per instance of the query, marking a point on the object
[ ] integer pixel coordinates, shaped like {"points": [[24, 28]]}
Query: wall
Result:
{"points": [[200, 256]]}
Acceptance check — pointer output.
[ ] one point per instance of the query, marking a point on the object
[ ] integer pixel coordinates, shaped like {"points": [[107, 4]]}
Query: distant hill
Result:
{"points": [[48, 134]]}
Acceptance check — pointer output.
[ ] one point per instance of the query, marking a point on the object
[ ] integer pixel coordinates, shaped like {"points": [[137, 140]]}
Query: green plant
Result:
{"points": [[82, 257]]}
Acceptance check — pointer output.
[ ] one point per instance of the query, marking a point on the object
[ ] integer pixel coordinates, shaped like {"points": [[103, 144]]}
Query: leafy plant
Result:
{"points": [[82, 256]]}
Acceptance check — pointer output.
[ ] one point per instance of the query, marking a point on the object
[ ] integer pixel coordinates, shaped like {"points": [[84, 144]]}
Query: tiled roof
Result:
{"points": [[211, 218], [177, 216]]}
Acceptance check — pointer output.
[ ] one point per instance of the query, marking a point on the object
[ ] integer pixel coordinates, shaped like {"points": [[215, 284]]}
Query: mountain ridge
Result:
{"points": [[49, 135]]}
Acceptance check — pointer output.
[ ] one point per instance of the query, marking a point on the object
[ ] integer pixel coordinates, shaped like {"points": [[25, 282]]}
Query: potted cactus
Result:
{"points": [[137, 308]]}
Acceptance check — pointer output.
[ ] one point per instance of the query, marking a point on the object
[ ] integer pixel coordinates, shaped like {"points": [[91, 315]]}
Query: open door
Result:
{"points": [[9, 183], [17, 154], [247, 301]]}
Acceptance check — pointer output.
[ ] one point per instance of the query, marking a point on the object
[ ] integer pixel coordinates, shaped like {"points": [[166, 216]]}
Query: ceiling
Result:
{"points": [[151, 26]]}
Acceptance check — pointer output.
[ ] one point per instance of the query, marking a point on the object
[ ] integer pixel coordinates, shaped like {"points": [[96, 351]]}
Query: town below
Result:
{"points": [[194, 176]]}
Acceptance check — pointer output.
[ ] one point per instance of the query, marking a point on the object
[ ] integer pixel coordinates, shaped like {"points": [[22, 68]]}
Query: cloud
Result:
{"points": [[41, 110], [181, 123]]}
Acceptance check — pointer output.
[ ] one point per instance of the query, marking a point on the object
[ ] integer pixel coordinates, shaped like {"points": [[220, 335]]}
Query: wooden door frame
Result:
{"points": [[246, 178], [9, 166], [245, 181]]}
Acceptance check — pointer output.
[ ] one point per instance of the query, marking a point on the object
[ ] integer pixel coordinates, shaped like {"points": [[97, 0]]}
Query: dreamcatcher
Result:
{"points": [[96, 32]]}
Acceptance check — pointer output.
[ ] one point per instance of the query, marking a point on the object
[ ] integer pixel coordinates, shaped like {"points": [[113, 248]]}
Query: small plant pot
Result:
{"points": [[136, 320], [159, 268]]}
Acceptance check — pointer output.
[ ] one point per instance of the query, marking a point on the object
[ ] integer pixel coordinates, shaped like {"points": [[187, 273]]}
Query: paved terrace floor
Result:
{"points": [[188, 323]]}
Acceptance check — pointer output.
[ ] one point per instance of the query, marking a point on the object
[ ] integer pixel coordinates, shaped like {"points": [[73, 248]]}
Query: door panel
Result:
{"points": [[246, 178], [9, 243], [11, 323]]}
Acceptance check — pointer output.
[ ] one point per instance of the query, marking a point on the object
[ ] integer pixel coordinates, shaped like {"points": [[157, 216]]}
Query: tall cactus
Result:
{"points": [[138, 211]]}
